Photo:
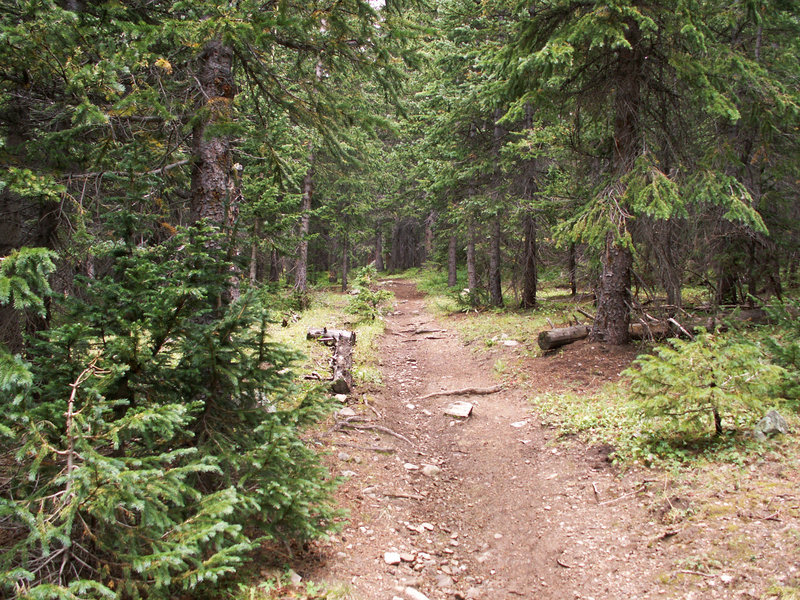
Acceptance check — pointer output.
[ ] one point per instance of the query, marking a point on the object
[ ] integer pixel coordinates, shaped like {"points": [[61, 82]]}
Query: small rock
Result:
{"points": [[408, 556], [341, 397], [294, 577], [431, 470], [347, 412], [498, 536], [391, 558], [410, 406], [344, 456], [473, 593], [444, 581], [411, 467], [413, 594], [519, 424], [349, 474], [341, 554], [510, 343], [772, 423], [459, 409]]}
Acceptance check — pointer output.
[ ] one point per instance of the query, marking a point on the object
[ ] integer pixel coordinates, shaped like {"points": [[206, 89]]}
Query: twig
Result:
{"points": [[402, 495], [633, 493], [584, 313], [380, 428], [596, 492], [700, 573], [562, 564], [471, 391], [358, 447], [373, 409], [421, 331], [679, 326], [435, 337]]}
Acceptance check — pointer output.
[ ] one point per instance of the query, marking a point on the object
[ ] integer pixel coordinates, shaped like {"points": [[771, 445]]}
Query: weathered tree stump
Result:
{"points": [[342, 359]]}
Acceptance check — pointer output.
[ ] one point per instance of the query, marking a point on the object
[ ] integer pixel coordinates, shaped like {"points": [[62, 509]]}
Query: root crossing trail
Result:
{"points": [[479, 507]]}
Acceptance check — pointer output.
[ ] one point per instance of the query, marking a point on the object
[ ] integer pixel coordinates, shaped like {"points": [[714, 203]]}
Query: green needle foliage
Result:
{"points": [[367, 301], [688, 385], [151, 439]]}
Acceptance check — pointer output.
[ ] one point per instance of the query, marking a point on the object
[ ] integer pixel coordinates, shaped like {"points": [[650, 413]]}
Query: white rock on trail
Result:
{"points": [[391, 558], [459, 409], [431, 470], [413, 594]]}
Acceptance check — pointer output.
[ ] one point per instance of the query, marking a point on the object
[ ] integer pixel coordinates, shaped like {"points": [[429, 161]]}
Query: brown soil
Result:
{"points": [[512, 514]]}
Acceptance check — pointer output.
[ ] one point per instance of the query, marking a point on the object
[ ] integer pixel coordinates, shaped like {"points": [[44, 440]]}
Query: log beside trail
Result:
{"points": [[553, 338], [342, 359]]}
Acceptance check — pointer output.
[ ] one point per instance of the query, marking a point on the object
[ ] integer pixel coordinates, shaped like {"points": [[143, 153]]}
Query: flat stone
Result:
{"points": [[344, 456], [408, 556], [431, 470], [341, 397], [349, 474], [459, 409], [473, 593], [391, 558], [510, 343], [411, 467], [347, 412], [519, 424], [444, 581]]}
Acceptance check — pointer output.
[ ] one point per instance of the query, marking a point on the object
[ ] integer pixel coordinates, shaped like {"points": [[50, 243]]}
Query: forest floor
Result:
{"points": [[495, 506]]}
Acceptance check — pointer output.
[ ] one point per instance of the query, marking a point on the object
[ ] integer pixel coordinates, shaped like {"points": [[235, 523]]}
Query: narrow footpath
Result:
{"points": [[479, 507]]}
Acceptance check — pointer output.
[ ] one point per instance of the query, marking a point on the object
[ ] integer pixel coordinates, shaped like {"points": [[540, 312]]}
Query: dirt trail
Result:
{"points": [[507, 516]]}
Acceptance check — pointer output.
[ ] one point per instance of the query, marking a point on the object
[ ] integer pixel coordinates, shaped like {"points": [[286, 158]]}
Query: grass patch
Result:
{"points": [[490, 326]]}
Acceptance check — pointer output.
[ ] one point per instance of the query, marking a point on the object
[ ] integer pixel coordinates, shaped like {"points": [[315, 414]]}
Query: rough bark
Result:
{"points": [[555, 338], [614, 295], [301, 265], [345, 261], [379, 266], [613, 306], [573, 271], [495, 285], [472, 277], [213, 193], [529, 272], [452, 265]]}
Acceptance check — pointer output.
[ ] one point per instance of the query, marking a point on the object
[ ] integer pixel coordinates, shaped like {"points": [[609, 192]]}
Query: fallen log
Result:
{"points": [[330, 336], [554, 338]]}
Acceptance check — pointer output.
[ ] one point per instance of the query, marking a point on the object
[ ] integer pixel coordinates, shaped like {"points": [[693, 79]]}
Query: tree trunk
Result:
{"points": [[274, 266], [529, 273], [379, 267], [573, 271], [614, 295], [345, 260], [472, 277], [428, 248], [301, 265], [213, 191], [495, 286], [254, 252], [614, 290], [452, 265]]}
